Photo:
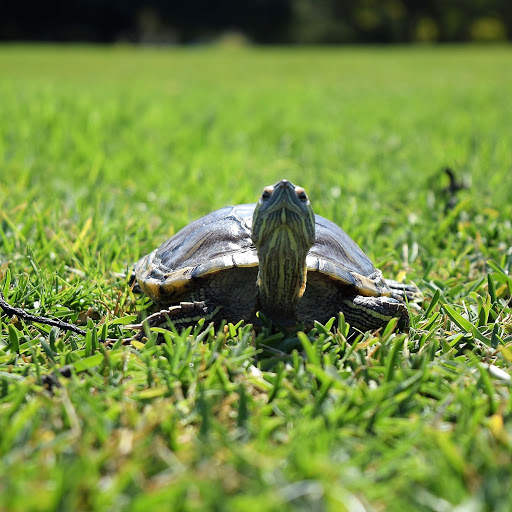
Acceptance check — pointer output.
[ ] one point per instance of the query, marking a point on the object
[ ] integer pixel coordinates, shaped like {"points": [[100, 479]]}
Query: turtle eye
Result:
{"points": [[266, 194], [301, 194]]}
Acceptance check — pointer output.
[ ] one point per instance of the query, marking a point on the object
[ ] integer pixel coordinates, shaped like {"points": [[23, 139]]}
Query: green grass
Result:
{"points": [[104, 153]]}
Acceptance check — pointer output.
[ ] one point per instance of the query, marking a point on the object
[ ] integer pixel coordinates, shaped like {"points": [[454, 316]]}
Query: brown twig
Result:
{"points": [[454, 187], [11, 311]]}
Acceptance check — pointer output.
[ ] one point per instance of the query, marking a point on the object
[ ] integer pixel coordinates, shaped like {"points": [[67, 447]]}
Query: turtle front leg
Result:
{"points": [[373, 313], [183, 315], [404, 292]]}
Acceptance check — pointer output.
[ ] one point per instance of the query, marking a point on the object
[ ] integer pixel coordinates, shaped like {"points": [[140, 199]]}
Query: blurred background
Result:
{"points": [[170, 22]]}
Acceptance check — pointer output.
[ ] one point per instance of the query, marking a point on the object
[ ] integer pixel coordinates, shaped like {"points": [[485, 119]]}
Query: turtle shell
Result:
{"points": [[221, 240]]}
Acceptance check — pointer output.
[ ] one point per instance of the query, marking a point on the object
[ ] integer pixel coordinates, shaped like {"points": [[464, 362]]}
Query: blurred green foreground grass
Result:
{"points": [[105, 152]]}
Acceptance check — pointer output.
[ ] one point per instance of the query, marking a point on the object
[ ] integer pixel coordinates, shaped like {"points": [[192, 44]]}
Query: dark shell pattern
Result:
{"points": [[222, 240]]}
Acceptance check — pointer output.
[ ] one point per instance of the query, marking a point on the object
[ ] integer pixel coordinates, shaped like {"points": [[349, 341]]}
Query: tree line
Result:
{"points": [[258, 21]]}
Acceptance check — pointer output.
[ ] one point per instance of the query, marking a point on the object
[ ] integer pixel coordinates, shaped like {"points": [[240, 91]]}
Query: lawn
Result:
{"points": [[106, 152]]}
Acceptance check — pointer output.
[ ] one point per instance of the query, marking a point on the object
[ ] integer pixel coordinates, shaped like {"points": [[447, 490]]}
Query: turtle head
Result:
{"points": [[283, 230], [283, 207]]}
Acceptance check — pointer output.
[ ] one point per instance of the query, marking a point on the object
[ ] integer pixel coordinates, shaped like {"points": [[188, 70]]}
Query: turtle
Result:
{"points": [[276, 257]]}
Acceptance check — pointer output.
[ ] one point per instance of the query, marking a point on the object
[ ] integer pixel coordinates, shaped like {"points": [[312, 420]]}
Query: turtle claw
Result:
{"points": [[404, 292], [182, 315], [374, 313]]}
